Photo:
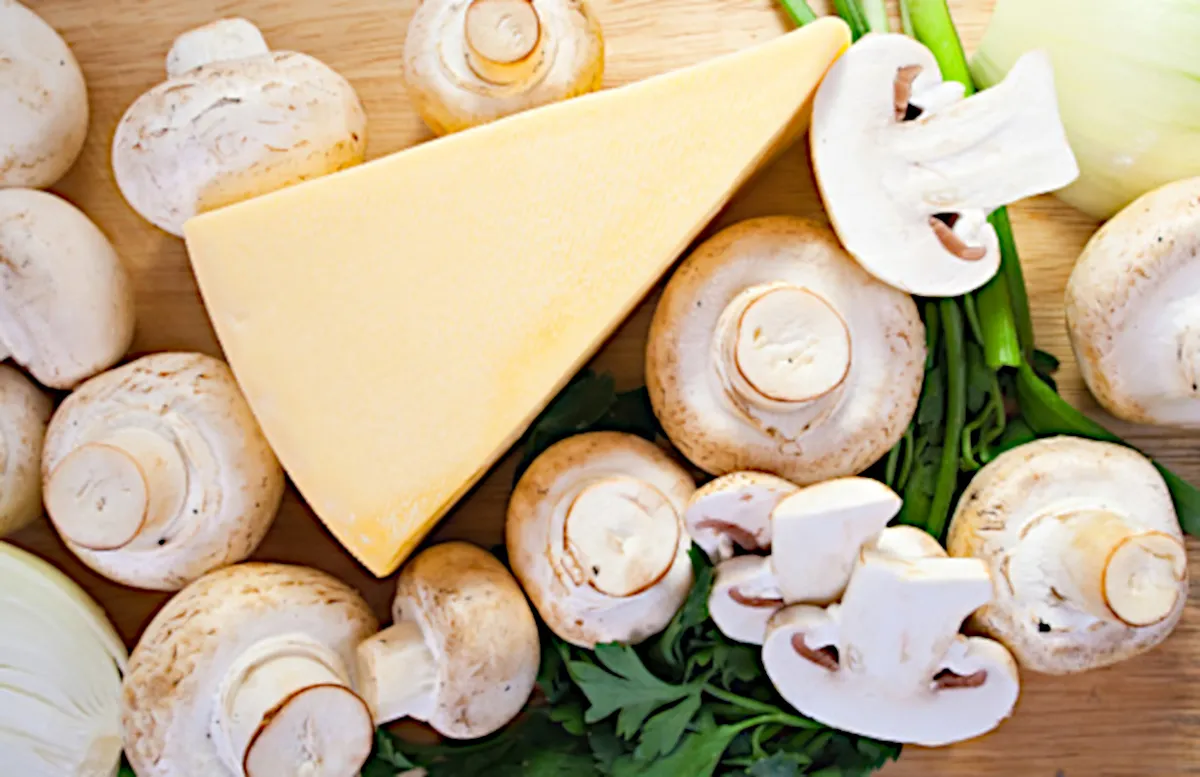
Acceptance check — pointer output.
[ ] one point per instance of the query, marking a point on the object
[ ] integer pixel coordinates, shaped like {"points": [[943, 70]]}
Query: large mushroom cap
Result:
{"points": [[772, 350], [43, 100], [1082, 540], [24, 412], [1133, 309]]}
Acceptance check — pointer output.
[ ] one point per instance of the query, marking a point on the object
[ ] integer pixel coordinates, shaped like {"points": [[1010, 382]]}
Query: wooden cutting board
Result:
{"points": [[1133, 720]]}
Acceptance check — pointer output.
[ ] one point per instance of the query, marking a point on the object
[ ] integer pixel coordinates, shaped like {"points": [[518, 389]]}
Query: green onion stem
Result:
{"points": [[932, 26], [799, 11], [876, 15], [956, 415], [906, 25], [852, 13], [1010, 269]]}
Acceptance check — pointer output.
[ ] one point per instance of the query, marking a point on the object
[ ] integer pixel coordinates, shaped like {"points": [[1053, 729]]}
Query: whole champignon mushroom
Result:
{"points": [[234, 120], [468, 62], [24, 411], [155, 473], [1133, 309], [595, 535], [66, 301], [772, 350], [248, 672], [1088, 557], [463, 653], [888, 661], [43, 100], [909, 198], [735, 509]]}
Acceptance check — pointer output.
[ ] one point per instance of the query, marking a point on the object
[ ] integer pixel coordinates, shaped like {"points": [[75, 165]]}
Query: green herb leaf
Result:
{"points": [[662, 732], [622, 684], [781, 764], [127, 771], [691, 616]]}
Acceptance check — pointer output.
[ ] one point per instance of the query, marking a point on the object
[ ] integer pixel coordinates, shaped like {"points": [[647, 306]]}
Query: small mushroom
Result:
{"points": [[234, 120], [24, 411], [1088, 557], [155, 473], [595, 535], [248, 672], [1133, 309], [772, 350], [735, 509], [909, 170], [43, 100], [66, 301], [463, 653], [468, 62]]}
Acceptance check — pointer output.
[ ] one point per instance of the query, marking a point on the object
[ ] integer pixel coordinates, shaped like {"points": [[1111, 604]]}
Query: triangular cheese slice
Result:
{"points": [[397, 326]]}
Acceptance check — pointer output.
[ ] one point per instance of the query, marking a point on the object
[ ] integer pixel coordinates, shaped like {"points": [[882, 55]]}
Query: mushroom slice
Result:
{"points": [[595, 534], [1132, 309], [463, 653], [24, 412], [1084, 544], [66, 302], [772, 350], [744, 597], [910, 198], [735, 510], [156, 472], [247, 672], [468, 62], [233, 121]]}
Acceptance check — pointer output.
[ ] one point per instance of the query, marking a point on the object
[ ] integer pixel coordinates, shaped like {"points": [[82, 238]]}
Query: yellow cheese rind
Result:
{"points": [[397, 326]]}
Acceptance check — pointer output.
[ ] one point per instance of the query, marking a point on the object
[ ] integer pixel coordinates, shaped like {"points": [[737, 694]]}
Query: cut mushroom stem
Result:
{"points": [[221, 41], [398, 674], [504, 39]]}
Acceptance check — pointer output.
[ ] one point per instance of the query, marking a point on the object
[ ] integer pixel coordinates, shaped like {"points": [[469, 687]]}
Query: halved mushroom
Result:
{"points": [[595, 535], [467, 62], [735, 509], [1133, 309], [463, 653], [24, 411], [156, 472], [248, 672], [1086, 550], [909, 171], [234, 120], [772, 350], [66, 302]]}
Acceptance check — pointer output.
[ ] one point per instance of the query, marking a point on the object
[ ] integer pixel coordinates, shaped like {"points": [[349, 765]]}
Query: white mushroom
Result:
{"points": [[910, 198], [1133, 309], [467, 62], [24, 411], [595, 535], [156, 472], [248, 672], [745, 595], [735, 509], [1088, 557], [463, 653], [43, 100], [66, 302], [233, 121], [772, 350], [888, 661]]}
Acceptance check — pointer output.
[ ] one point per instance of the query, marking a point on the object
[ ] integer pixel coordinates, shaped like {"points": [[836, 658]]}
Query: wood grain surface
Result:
{"points": [[1133, 720]]}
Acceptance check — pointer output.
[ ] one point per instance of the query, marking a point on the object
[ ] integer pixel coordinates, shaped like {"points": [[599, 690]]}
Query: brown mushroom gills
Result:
{"points": [[826, 657], [503, 39]]}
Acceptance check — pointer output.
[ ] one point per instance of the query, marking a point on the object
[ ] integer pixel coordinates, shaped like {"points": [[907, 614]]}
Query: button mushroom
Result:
{"points": [[1086, 550], [1132, 309], [772, 350], [24, 411], [66, 302], [888, 661], [735, 509], [595, 535], [247, 672], [233, 120], [467, 62], [909, 171], [463, 653], [43, 100], [155, 473]]}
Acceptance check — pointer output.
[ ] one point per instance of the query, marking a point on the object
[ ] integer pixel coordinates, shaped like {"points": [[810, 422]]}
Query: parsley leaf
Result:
{"points": [[662, 732], [623, 683], [669, 649], [780, 764]]}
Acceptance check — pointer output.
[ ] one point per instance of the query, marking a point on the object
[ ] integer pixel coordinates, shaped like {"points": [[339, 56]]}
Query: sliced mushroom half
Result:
{"points": [[735, 510]]}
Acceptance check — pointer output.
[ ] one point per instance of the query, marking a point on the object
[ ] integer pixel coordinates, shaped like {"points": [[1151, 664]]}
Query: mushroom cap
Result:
{"points": [[43, 100], [558, 577], [876, 399], [24, 412], [170, 691], [735, 509], [234, 484], [1132, 309], [66, 302], [998, 519], [481, 632]]}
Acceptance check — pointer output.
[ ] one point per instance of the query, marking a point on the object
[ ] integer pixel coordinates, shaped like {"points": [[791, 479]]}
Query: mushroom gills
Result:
{"points": [[398, 674], [744, 597], [735, 509]]}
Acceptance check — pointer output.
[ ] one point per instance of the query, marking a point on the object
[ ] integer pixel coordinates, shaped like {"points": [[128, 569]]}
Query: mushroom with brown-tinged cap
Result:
{"points": [[772, 350], [24, 412], [463, 652], [1086, 550], [596, 537], [233, 120], [909, 171], [249, 672], [156, 472], [468, 62]]}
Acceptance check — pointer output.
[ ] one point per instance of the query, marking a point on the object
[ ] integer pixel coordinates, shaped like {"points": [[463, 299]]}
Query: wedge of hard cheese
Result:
{"points": [[397, 326]]}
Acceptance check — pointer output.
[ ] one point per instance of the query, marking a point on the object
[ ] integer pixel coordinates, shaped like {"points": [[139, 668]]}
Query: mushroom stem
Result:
{"points": [[398, 674], [220, 41], [504, 38]]}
